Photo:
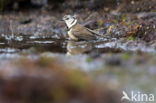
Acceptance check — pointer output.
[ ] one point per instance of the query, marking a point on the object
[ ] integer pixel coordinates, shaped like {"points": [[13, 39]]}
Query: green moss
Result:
{"points": [[124, 18], [77, 79], [89, 59], [153, 10], [126, 56], [100, 23], [45, 61], [131, 38], [59, 94]]}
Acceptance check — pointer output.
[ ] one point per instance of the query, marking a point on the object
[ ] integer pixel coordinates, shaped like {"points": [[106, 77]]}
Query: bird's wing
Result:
{"points": [[92, 31], [97, 34], [82, 33]]}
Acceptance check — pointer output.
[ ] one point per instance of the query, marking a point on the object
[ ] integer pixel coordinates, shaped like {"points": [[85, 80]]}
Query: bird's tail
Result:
{"points": [[98, 34]]}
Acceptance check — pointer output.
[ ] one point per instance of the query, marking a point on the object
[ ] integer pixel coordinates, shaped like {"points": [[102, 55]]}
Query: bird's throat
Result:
{"points": [[71, 23]]}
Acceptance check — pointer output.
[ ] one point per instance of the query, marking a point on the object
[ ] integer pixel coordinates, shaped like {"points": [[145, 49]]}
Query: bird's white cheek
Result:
{"points": [[68, 24]]}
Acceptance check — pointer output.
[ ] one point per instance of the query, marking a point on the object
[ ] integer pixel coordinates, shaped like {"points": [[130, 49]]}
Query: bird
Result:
{"points": [[78, 47], [77, 31]]}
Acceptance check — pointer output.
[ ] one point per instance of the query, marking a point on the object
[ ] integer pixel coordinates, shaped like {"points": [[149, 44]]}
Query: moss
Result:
{"points": [[59, 94], [126, 56], [89, 59], [77, 79], [153, 10], [100, 22], [131, 38], [45, 61], [124, 18]]}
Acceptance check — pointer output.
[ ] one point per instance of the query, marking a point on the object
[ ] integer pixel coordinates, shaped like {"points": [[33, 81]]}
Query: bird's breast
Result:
{"points": [[71, 36]]}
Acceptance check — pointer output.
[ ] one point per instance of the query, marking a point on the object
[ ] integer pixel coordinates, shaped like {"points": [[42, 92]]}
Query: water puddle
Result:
{"points": [[18, 44], [39, 44]]}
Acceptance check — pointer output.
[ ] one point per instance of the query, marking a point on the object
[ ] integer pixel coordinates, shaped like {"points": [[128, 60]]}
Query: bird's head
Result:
{"points": [[70, 20]]}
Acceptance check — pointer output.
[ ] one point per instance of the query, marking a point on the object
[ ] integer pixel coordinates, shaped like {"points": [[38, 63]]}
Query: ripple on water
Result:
{"points": [[43, 42], [8, 50], [8, 56]]}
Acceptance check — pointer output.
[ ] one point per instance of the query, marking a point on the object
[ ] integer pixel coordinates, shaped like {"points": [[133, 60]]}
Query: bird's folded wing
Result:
{"points": [[82, 33]]}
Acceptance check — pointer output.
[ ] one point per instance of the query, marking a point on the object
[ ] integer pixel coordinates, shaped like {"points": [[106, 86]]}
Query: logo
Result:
{"points": [[137, 97]]}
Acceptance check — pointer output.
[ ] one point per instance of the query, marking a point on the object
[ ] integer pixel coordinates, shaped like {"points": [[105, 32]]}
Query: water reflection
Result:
{"points": [[74, 48], [42, 44]]}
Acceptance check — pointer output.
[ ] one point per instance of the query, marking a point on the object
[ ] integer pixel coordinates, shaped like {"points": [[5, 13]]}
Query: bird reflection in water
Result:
{"points": [[78, 47]]}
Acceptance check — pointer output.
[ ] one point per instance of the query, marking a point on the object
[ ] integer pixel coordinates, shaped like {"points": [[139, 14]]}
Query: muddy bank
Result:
{"points": [[115, 23], [127, 32]]}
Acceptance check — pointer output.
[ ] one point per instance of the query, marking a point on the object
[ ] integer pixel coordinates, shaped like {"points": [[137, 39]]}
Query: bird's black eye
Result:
{"points": [[67, 18]]}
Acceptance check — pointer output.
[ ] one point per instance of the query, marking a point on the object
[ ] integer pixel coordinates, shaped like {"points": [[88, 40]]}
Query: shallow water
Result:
{"points": [[40, 44], [16, 45]]}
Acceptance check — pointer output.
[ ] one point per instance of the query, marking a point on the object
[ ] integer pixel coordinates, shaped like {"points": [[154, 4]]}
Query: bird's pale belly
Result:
{"points": [[71, 36]]}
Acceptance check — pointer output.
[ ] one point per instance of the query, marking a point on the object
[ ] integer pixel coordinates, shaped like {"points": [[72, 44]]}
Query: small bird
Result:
{"points": [[77, 31], [78, 47]]}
